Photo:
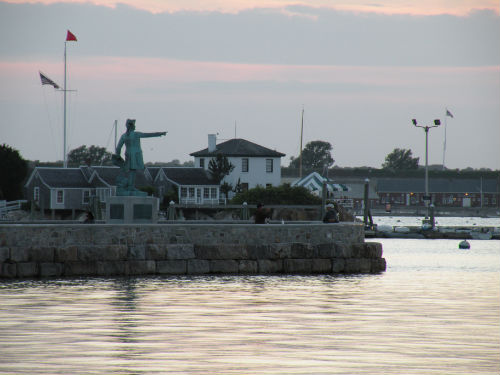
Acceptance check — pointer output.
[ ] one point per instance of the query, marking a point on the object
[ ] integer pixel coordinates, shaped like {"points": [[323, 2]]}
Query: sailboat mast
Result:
{"points": [[301, 135]]}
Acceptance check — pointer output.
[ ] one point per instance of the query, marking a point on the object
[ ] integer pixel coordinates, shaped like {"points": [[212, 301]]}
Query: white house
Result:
{"points": [[253, 164]]}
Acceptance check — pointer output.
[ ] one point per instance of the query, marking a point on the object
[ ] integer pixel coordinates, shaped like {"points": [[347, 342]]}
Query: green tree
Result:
{"points": [[283, 194], [315, 155], [13, 170], [400, 159], [220, 167], [93, 155]]}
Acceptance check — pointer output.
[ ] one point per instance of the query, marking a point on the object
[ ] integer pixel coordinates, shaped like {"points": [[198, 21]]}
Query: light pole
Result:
{"points": [[427, 198]]}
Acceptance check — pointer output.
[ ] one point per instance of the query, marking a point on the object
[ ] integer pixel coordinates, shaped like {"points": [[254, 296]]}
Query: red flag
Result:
{"points": [[70, 37]]}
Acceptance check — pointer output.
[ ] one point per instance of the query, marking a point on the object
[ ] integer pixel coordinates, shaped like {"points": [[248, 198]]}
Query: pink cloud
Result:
{"points": [[422, 7]]}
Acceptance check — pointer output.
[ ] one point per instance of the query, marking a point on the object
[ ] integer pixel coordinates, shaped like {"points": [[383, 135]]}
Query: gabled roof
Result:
{"points": [[61, 177], [239, 147], [314, 182], [189, 176], [436, 185]]}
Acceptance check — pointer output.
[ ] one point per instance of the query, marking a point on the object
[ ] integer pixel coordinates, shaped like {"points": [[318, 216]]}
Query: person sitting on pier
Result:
{"points": [[331, 215], [261, 215]]}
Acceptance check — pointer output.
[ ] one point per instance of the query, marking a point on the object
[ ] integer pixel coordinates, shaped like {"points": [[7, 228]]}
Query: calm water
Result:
{"points": [[447, 221], [435, 311]]}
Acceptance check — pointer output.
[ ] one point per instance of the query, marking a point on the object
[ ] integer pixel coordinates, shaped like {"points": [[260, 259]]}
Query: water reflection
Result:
{"points": [[435, 311]]}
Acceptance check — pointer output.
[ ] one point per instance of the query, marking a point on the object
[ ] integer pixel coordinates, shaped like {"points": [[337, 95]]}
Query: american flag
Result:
{"points": [[47, 81]]}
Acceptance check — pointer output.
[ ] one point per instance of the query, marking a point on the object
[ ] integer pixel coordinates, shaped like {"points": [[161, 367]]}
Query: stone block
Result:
{"points": [[233, 251], [352, 265], [155, 252], [279, 251], [41, 254], [224, 266], [297, 265], [343, 251], [365, 265], [326, 250], [171, 267], [4, 254], [358, 250], [19, 254], [142, 267], [80, 268], [108, 268], [198, 266], [66, 254], [302, 250], [321, 265], [221, 251], [373, 249], [205, 251], [29, 269], [378, 265], [8, 270], [338, 265], [136, 252], [51, 269], [248, 266], [258, 252], [180, 251], [270, 266]]}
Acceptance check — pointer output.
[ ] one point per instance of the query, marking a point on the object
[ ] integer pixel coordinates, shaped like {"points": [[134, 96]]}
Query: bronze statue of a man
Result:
{"points": [[133, 157]]}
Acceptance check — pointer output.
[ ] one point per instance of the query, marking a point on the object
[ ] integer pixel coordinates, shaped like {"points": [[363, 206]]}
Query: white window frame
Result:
{"points": [[36, 194], [86, 201], [269, 165], [57, 196], [245, 165]]}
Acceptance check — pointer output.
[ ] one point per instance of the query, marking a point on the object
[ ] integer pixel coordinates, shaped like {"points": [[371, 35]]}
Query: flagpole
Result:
{"points": [[65, 162]]}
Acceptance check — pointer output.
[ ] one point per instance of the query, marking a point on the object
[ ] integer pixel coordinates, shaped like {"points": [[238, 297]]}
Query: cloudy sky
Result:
{"points": [[361, 71]]}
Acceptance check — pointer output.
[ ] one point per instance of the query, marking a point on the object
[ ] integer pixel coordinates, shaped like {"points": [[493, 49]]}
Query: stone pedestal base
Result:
{"points": [[128, 210]]}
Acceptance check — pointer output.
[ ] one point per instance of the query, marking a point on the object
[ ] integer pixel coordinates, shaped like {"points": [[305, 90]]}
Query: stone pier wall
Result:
{"points": [[55, 250]]}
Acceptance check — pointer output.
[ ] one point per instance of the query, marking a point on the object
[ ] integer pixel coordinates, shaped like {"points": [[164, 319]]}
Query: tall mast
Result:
{"points": [[69, 37], [301, 134], [65, 162]]}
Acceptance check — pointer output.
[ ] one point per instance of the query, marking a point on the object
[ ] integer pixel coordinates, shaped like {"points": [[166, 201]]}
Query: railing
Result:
{"points": [[6, 207], [345, 202], [201, 201]]}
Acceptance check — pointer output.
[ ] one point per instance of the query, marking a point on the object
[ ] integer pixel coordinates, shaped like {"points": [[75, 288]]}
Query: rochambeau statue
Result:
{"points": [[125, 182]]}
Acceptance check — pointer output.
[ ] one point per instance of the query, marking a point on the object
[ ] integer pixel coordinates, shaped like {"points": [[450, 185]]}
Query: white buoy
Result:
{"points": [[464, 245]]}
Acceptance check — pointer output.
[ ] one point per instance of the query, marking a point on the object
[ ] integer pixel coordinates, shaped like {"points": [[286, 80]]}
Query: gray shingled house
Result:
{"points": [[72, 188]]}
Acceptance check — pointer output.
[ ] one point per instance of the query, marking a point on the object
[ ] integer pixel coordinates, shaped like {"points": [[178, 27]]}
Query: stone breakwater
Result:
{"points": [[55, 250]]}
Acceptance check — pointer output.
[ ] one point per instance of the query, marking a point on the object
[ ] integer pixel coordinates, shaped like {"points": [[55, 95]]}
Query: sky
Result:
{"points": [[247, 68]]}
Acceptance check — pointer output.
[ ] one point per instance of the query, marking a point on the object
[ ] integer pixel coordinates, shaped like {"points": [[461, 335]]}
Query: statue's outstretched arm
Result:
{"points": [[149, 135]]}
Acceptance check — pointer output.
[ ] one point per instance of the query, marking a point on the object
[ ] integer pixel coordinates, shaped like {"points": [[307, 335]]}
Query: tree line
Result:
{"points": [[316, 156]]}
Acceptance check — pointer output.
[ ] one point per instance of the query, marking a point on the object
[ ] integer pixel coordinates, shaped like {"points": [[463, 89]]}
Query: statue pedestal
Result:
{"points": [[131, 210]]}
